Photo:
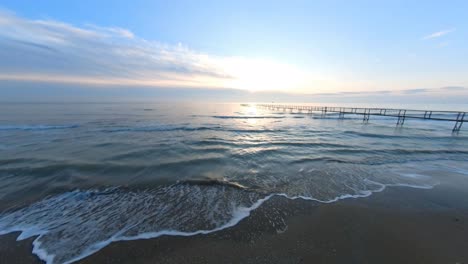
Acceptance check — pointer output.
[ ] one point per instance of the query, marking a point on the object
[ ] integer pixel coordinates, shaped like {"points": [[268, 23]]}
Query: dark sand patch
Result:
{"points": [[12, 251]]}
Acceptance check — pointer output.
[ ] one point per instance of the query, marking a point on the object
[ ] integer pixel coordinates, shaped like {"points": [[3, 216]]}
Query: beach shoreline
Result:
{"points": [[398, 225]]}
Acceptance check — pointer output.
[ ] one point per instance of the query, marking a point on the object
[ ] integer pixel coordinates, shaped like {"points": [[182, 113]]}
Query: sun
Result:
{"points": [[263, 75]]}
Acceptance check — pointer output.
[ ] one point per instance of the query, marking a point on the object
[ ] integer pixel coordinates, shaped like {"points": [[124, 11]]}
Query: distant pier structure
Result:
{"points": [[457, 117]]}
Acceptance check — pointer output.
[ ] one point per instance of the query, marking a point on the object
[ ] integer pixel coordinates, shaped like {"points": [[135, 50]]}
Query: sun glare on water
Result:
{"points": [[252, 110]]}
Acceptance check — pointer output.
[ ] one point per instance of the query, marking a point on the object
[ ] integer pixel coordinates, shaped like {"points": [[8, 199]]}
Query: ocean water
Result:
{"points": [[79, 176]]}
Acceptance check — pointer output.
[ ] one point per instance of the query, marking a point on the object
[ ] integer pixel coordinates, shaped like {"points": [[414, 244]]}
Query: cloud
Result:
{"points": [[454, 88], [380, 92], [416, 91], [439, 34], [57, 52], [124, 33], [52, 51]]}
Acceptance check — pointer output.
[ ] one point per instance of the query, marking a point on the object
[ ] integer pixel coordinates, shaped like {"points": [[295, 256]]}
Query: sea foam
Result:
{"points": [[75, 224]]}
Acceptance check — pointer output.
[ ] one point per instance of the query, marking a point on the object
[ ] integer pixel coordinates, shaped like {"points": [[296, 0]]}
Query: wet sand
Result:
{"points": [[398, 225]]}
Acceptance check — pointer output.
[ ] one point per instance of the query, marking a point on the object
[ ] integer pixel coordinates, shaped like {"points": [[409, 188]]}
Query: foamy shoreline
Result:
{"points": [[396, 213]]}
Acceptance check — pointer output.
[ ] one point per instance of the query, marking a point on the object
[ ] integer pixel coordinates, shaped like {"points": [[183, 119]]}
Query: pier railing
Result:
{"points": [[458, 117]]}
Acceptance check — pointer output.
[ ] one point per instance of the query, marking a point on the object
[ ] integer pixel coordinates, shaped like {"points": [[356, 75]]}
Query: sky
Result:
{"points": [[269, 49]]}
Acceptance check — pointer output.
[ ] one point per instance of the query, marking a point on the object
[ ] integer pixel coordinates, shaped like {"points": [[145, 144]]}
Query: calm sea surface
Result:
{"points": [[80, 176]]}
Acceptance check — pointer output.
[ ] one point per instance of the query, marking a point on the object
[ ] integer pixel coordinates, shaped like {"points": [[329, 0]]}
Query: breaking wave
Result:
{"points": [[75, 224]]}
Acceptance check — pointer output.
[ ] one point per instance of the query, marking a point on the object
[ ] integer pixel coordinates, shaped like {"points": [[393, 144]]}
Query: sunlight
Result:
{"points": [[263, 75], [252, 110]]}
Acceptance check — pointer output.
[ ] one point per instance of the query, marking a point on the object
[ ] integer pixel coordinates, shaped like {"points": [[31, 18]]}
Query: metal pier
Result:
{"points": [[402, 114]]}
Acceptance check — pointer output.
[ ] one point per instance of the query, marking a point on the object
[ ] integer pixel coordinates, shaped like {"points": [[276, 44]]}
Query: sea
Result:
{"points": [[78, 176]]}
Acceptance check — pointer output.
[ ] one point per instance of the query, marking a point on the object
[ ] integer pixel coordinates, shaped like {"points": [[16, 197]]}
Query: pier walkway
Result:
{"points": [[457, 117]]}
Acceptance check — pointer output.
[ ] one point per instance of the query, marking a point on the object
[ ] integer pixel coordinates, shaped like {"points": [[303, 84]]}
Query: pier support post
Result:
{"points": [[365, 119], [401, 118], [459, 122], [324, 111], [341, 116]]}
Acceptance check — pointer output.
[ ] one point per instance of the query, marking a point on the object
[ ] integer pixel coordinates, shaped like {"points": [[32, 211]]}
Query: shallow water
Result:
{"points": [[80, 176]]}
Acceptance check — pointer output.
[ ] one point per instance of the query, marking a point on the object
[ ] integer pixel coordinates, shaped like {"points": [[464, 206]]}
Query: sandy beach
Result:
{"points": [[398, 225]]}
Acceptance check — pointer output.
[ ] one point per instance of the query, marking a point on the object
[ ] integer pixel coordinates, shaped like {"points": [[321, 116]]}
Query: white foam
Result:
{"points": [[56, 212], [69, 221], [41, 253], [413, 175]]}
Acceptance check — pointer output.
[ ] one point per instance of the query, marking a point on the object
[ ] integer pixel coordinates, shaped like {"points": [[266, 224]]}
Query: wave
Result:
{"points": [[361, 194], [378, 160], [255, 130], [73, 225], [76, 224], [168, 128], [216, 141], [214, 182], [35, 127], [248, 117], [397, 151], [319, 159], [159, 128], [20, 167], [406, 136]]}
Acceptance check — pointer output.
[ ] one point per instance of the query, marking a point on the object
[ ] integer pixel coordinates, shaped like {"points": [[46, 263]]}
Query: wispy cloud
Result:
{"points": [[53, 51], [439, 34], [417, 91], [453, 90]]}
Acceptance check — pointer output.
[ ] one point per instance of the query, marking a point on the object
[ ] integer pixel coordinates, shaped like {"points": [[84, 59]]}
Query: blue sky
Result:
{"points": [[283, 46]]}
